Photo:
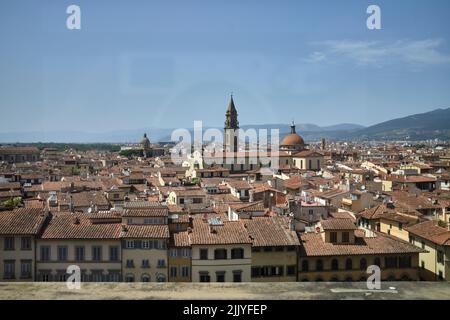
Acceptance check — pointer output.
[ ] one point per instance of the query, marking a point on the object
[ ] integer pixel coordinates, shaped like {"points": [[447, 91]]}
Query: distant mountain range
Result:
{"points": [[429, 125]]}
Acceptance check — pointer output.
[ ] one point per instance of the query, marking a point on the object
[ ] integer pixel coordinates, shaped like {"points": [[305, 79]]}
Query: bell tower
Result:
{"points": [[231, 138]]}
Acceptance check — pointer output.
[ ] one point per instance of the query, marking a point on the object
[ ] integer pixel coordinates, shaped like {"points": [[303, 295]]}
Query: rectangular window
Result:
{"points": [[129, 244], [62, 253], [26, 243], [237, 276], [114, 253], [9, 243], [130, 263], [204, 277], [161, 263], [146, 263], [333, 237], [440, 257], [220, 276], [185, 271], [25, 269], [79, 253], [9, 269], [97, 253], [203, 254], [173, 272], [45, 253], [290, 270], [345, 237]]}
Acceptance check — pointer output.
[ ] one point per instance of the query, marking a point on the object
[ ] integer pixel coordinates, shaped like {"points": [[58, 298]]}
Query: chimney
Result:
{"points": [[76, 220], [124, 228], [191, 222]]}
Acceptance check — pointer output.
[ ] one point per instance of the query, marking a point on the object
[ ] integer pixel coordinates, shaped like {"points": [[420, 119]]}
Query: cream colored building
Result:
{"points": [[221, 250], [435, 240], [19, 229], [308, 160]]}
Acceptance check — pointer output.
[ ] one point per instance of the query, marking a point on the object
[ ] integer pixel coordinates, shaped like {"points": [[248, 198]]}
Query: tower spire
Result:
{"points": [[293, 127]]}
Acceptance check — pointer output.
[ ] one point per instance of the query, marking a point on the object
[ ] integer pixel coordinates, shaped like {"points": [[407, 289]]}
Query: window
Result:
{"points": [[390, 262], [377, 262], [345, 237], [97, 276], [279, 249], [79, 253], [203, 254], [129, 244], [9, 268], [129, 278], [26, 243], [319, 265], [305, 266], [404, 262], [256, 272], [334, 264], [423, 244], [161, 263], [204, 277], [440, 257], [220, 254], [237, 276], [267, 249], [290, 270], [182, 202], [197, 200], [333, 237], [9, 243], [145, 263], [348, 264], [173, 272], [185, 271], [96, 253], [290, 248], [363, 264], [145, 278], [62, 253], [114, 253], [130, 263], [400, 226], [25, 269], [45, 253], [237, 253], [411, 239], [220, 276], [441, 276]]}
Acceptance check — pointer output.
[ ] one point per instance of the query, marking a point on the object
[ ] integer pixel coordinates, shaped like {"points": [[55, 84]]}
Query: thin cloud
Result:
{"points": [[375, 53]]}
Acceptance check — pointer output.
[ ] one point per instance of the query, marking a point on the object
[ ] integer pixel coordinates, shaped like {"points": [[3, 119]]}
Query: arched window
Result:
{"points": [[363, 264], [129, 278], [319, 265], [237, 253], [305, 265], [348, 264], [145, 278], [334, 264], [220, 254]]}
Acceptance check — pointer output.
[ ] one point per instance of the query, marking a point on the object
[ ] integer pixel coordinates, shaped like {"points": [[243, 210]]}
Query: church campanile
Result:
{"points": [[230, 142]]}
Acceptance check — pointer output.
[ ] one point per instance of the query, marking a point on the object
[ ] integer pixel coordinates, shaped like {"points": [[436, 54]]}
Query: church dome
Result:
{"points": [[292, 139], [145, 142]]}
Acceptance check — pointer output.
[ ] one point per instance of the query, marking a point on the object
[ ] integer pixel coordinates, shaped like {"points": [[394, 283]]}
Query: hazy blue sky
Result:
{"points": [[167, 63]]}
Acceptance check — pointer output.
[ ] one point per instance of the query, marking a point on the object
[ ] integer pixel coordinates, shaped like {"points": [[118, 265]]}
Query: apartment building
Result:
{"points": [[19, 230], [221, 250]]}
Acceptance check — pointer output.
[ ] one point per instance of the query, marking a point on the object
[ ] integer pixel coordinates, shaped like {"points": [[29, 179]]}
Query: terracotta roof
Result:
{"points": [[271, 231], [312, 245], [181, 239], [231, 232], [147, 212], [145, 231], [79, 226], [429, 230], [338, 224], [22, 221]]}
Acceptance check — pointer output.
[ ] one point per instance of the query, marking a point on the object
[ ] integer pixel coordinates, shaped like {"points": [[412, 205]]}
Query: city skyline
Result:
{"points": [[166, 65]]}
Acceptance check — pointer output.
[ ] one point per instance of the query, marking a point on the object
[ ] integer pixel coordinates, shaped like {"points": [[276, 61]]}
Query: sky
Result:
{"points": [[137, 64]]}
